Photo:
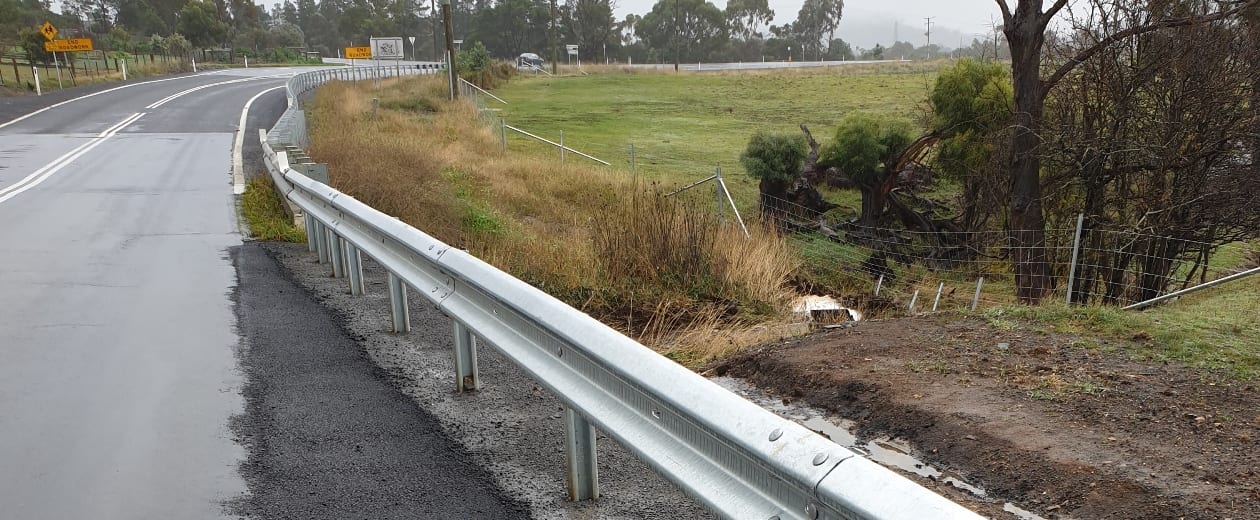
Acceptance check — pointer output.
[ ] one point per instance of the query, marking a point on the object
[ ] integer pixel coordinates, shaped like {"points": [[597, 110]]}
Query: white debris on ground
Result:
{"points": [[809, 304]]}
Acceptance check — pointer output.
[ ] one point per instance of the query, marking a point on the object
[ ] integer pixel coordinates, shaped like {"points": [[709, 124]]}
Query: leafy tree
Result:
{"points": [[285, 35], [141, 17], [776, 159], [32, 43], [694, 29], [473, 58], [972, 106], [839, 50], [178, 45], [591, 25], [199, 22], [745, 18], [866, 149]]}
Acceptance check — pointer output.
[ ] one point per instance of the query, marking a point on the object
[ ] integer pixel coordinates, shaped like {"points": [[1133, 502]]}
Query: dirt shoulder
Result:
{"points": [[1064, 427]]}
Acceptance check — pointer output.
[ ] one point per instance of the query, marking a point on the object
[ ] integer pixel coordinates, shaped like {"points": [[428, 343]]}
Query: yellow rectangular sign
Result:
{"points": [[358, 53], [69, 45]]}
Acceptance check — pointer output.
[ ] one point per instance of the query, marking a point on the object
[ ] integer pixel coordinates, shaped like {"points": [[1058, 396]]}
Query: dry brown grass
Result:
{"points": [[660, 269]]}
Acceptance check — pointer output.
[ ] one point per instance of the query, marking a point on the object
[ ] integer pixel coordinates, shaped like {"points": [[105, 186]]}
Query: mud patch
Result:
{"points": [[1060, 426]]}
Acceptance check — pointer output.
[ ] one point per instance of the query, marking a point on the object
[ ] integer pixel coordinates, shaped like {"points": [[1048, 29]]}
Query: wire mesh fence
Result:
{"points": [[936, 270]]}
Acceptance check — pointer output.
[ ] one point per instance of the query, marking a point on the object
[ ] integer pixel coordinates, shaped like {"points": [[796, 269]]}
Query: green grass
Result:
{"points": [[265, 215], [685, 125], [1215, 329]]}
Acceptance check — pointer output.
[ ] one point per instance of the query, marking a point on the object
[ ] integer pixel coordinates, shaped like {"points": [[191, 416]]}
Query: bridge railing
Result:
{"points": [[733, 456]]}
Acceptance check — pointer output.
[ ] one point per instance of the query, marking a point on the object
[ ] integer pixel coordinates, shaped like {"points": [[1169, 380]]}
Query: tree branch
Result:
{"points": [[1051, 12], [1102, 44], [1006, 12]]}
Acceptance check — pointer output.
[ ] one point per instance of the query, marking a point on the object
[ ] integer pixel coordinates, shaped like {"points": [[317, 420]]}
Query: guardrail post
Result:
{"points": [[354, 266], [398, 303], [466, 379], [337, 251], [579, 438], [321, 242], [310, 232]]}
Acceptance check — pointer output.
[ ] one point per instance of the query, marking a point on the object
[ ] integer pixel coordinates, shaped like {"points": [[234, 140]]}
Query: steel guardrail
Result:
{"points": [[738, 459]]}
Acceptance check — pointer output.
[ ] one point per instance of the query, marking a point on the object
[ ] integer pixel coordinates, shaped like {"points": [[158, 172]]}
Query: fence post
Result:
{"points": [[337, 253], [976, 299], [579, 438], [913, 299], [321, 242], [717, 190], [398, 304], [17, 77], [466, 379], [938, 296], [354, 267], [57, 63], [561, 145], [1076, 248], [503, 133], [879, 284]]}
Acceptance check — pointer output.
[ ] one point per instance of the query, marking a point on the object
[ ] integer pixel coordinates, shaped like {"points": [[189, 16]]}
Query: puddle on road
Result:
{"points": [[886, 451]]}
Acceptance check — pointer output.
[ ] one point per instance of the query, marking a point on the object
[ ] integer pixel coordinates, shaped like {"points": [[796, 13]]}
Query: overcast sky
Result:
{"points": [[867, 22]]}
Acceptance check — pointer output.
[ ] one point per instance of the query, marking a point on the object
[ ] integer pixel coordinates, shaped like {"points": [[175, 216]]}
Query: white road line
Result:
{"points": [[42, 174], [238, 168], [50, 107], [177, 95]]}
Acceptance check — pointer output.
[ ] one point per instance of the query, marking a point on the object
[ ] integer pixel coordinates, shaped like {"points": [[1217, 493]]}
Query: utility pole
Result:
{"points": [[676, 58], [929, 33], [450, 48], [555, 60]]}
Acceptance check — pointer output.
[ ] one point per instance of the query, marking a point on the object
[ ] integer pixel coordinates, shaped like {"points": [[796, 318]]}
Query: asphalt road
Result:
{"points": [[119, 371], [125, 352]]}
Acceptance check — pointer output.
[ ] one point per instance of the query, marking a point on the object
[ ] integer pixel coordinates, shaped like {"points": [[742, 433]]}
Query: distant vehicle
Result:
{"points": [[529, 60]]}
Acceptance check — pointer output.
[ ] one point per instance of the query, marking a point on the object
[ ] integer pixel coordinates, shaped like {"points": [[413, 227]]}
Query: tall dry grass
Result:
{"points": [[661, 269]]}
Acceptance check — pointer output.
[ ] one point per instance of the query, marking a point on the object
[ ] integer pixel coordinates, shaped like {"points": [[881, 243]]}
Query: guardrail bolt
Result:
{"points": [[820, 458], [811, 511], [774, 436]]}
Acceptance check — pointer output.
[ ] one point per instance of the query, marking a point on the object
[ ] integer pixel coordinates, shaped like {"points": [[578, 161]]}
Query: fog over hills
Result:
{"points": [[867, 22]]}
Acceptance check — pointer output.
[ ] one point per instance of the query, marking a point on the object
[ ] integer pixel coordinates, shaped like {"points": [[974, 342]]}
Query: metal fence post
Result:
{"points": [[503, 133], [938, 296], [337, 254], [310, 232], [561, 145], [354, 267], [913, 299], [1076, 248], [579, 438], [321, 242], [466, 379], [398, 304], [717, 190], [975, 300], [879, 284]]}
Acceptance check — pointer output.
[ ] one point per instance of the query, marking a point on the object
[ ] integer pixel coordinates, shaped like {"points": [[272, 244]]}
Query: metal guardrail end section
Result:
{"points": [[850, 487], [739, 460]]}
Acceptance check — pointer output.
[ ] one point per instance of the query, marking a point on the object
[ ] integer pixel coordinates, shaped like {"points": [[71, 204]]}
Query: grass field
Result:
{"points": [[684, 126]]}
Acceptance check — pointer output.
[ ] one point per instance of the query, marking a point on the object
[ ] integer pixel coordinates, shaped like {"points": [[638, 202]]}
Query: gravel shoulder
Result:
{"points": [[327, 435], [1064, 427], [511, 426]]}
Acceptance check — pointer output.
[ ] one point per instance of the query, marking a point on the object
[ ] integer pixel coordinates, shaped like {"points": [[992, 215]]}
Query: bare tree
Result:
{"points": [[1025, 28]]}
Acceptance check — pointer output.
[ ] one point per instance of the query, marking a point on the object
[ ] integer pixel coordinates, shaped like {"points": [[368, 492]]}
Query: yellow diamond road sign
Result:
{"points": [[48, 31]]}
